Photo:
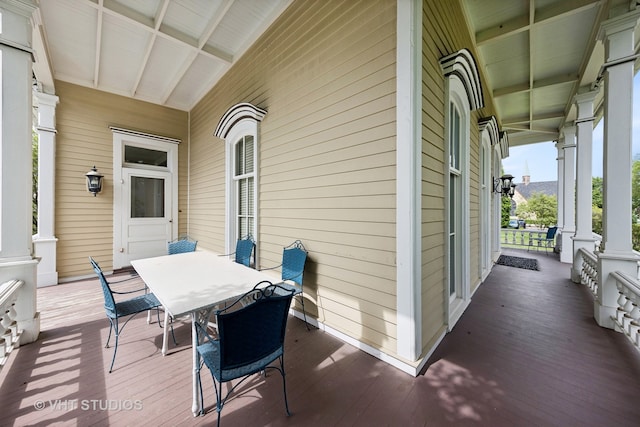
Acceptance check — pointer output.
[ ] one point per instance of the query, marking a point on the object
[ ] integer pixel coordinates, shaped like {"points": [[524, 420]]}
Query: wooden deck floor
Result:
{"points": [[526, 353]]}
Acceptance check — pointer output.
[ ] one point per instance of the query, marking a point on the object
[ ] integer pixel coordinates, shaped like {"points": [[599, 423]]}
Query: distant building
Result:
{"points": [[526, 189]]}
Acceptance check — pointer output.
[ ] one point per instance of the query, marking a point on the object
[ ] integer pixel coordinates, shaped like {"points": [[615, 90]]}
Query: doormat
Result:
{"points": [[514, 261]]}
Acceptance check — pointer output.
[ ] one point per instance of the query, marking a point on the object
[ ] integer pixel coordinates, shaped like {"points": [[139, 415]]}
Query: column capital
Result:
{"points": [[618, 24], [568, 131], [584, 98], [46, 99]]}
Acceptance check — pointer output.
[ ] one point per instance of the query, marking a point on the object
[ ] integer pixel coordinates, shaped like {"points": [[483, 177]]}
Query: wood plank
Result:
{"points": [[526, 352]]}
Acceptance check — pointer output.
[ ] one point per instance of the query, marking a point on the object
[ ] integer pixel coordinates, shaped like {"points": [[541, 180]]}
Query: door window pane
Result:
{"points": [[144, 156], [147, 197]]}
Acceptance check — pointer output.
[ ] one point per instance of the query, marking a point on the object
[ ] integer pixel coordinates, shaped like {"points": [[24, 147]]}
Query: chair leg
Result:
{"points": [[115, 348], [109, 337], [219, 403], [304, 313], [284, 386]]}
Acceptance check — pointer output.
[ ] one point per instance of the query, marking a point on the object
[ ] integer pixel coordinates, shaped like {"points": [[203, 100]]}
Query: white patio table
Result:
{"points": [[194, 283]]}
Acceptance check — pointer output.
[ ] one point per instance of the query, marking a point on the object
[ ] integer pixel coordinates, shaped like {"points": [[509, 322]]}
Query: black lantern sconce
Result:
{"points": [[94, 181], [504, 185]]}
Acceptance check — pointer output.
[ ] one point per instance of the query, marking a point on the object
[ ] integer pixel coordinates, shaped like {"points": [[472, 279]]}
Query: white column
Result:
{"points": [[584, 198], [617, 254], [569, 197], [408, 219], [45, 242], [560, 188], [16, 260]]}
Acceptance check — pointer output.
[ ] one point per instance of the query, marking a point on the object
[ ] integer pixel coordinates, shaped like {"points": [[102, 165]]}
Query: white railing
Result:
{"points": [[525, 238], [589, 270], [627, 318], [627, 315], [9, 332]]}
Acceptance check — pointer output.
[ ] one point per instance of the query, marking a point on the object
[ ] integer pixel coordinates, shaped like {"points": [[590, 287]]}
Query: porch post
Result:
{"points": [[617, 254], [560, 185], [16, 260], [584, 198], [569, 194], [408, 219], [45, 242]]}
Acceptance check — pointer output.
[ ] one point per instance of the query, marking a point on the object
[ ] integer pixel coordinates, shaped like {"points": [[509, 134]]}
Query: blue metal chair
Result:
{"points": [[546, 241], [181, 245], [251, 335], [294, 258], [244, 250], [128, 308]]}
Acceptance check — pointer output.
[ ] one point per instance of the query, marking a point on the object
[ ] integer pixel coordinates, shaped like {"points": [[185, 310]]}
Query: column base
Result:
{"points": [[604, 315], [45, 249], [566, 253]]}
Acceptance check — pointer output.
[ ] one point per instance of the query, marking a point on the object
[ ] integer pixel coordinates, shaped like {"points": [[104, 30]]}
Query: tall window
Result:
{"points": [[458, 252], [455, 191], [463, 94], [239, 128], [244, 177]]}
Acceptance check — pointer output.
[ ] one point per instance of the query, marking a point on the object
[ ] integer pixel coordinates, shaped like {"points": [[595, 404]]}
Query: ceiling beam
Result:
{"points": [[526, 119], [523, 23], [561, 79]]}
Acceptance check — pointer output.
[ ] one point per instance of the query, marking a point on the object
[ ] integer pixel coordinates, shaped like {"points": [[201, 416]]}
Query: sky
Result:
{"points": [[536, 157]]}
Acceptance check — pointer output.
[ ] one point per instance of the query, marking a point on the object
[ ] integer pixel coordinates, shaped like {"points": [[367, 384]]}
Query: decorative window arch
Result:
{"points": [[463, 94], [239, 127]]}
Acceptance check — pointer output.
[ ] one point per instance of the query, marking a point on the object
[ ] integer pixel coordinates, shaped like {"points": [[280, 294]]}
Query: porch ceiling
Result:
{"points": [[168, 52], [536, 55]]}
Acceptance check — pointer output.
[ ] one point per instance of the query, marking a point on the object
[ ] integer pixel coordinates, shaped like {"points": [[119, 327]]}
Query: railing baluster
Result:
{"points": [[627, 318], [9, 328]]}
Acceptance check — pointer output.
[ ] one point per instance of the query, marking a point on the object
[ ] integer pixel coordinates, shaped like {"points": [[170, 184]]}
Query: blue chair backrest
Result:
{"points": [[181, 246], [109, 301], [293, 260], [551, 232], [244, 250], [256, 330]]}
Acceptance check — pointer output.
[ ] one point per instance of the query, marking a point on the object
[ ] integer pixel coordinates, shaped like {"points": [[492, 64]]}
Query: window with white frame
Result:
{"points": [[244, 184], [458, 134], [463, 94], [239, 128]]}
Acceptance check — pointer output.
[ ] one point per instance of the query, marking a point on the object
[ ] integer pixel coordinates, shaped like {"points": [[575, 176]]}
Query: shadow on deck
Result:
{"points": [[526, 352]]}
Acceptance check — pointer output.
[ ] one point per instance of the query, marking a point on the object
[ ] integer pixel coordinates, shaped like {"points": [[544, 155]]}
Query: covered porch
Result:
{"points": [[526, 352]]}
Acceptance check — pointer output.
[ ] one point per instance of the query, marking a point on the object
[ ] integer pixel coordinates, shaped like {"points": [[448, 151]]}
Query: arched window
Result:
{"points": [[463, 93], [239, 127]]}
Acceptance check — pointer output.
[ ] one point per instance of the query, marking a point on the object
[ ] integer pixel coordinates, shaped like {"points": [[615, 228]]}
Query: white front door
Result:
{"points": [[146, 215], [144, 196]]}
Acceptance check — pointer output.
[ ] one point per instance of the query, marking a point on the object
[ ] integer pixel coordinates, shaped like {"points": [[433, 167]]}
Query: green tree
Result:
{"points": [[506, 211], [596, 220], [543, 208], [523, 212], [635, 187], [596, 191]]}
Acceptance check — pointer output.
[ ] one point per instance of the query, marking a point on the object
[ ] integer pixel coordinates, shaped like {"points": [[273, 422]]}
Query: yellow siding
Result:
{"points": [[84, 224], [325, 73], [444, 32]]}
